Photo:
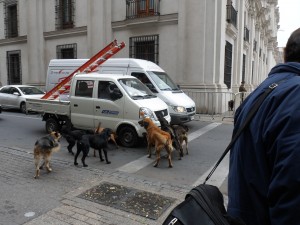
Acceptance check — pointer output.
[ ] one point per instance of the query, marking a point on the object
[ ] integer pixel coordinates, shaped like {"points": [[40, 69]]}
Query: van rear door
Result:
{"points": [[82, 105]]}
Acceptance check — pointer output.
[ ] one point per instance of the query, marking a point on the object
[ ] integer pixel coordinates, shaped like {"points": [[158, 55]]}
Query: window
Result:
{"points": [[13, 59], [228, 64], [64, 10], [106, 89], [84, 88], [11, 19], [244, 68], [144, 47], [68, 51], [142, 8]]}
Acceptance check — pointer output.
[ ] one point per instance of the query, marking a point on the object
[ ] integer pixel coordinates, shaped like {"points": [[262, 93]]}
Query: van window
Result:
{"points": [[145, 80], [84, 88], [163, 81], [106, 89], [135, 89]]}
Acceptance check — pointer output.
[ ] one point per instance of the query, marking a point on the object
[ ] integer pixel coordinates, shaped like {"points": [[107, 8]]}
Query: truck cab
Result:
{"points": [[115, 100]]}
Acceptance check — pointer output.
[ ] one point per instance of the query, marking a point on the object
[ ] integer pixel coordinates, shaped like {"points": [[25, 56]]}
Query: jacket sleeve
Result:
{"points": [[282, 138]]}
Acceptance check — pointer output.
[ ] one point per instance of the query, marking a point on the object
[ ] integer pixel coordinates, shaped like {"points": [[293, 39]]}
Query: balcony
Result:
{"points": [[142, 8], [231, 15]]}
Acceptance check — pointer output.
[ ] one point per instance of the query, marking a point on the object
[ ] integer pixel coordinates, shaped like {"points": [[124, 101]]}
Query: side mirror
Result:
{"points": [[17, 94]]}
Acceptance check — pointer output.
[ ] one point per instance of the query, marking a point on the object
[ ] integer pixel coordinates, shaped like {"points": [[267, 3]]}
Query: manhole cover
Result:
{"points": [[131, 200]]}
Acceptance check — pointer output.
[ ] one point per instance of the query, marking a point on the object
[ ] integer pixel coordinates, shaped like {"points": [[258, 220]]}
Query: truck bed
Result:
{"points": [[44, 106]]}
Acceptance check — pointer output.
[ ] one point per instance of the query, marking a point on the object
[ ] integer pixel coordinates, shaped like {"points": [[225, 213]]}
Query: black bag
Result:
{"points": [[204, 204]]}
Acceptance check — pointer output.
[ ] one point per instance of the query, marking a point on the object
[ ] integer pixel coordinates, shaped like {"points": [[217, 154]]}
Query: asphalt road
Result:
{"points": [[23, 197]]}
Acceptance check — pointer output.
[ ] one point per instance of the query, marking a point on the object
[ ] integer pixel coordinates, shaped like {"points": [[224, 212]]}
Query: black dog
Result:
{"points": [[165, 126], [72, 136], [96, 141]]}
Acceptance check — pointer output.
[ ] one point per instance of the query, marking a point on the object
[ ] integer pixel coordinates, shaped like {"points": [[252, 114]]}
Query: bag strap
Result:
{"points": [[250, 115]]}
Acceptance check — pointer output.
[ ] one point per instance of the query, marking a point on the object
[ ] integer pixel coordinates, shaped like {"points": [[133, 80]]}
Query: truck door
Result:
{"points": [[109, 105], [82, 105]]}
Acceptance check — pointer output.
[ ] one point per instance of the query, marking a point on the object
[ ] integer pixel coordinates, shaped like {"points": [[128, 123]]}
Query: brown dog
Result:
{"points": [[44, 147], [159, 138], [182, 135], [113, 136]]}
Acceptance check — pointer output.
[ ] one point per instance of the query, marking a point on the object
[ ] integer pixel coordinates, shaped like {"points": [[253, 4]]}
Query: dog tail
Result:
{"points": [[98, 128], [169, 144]]}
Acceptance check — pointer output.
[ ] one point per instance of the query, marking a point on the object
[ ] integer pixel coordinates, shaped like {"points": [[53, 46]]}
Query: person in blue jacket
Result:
{"points": [[264, 171]]}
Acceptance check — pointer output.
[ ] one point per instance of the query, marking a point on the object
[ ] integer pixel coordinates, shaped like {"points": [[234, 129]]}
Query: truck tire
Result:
{"points": [[128, 137], [51, 125]]}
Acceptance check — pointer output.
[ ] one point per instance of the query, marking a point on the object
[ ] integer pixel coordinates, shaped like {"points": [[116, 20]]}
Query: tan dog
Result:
{"points": [[44, 147], [113, 136], [159, 138]]}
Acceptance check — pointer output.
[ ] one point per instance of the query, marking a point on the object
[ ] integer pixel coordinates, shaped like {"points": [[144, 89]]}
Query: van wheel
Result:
{"points": [[128, 137], [51, 125]]}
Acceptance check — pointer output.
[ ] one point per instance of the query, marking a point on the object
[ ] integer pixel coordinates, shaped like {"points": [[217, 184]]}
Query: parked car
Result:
{"points": [[14, 96]]}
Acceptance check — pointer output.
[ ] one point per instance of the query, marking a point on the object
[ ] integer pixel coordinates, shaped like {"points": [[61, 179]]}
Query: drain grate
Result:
{"points": [[131, 200]]}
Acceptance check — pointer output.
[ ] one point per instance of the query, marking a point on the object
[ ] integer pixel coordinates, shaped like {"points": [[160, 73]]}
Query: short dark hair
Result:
{"points": [[292, 49]]}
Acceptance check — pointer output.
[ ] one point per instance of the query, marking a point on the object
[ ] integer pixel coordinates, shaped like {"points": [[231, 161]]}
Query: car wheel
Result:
{"points": [[23, 107], [128, 136], [51, 125]]}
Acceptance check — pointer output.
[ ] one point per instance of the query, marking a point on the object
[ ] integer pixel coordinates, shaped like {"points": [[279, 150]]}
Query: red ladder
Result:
{"points": [[87, 67]]}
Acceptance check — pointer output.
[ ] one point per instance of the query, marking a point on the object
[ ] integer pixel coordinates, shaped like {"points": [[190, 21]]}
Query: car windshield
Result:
{"points": [[31, 91], [136, 89], [163, 81]]}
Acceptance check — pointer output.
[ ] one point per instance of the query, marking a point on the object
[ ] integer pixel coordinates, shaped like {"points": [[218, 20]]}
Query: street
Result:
{"points": [[24, 198]]}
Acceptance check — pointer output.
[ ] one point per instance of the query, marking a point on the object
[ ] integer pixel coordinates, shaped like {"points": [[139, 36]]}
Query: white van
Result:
{"points": [[181, 107]]}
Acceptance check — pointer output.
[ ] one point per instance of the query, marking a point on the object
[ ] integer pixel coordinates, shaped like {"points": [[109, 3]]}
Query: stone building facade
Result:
{"points": [[203, 45]]}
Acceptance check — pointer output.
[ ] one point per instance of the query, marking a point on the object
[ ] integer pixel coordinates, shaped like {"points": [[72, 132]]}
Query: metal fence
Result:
{"points": [[221, 104]]}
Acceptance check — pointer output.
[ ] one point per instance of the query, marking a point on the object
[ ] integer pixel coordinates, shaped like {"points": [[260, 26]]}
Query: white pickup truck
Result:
{"points": [[115, 100]]}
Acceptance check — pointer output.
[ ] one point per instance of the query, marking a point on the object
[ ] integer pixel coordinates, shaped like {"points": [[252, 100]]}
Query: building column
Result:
{"points": [[99, 31], [35, 41]]}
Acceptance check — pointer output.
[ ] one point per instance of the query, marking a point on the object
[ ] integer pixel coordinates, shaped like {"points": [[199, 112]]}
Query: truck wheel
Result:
{"points": [[51, 125], [128, 137], [23, 107]]}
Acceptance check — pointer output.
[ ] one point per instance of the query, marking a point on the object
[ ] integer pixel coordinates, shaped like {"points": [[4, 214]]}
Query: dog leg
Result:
{"points": [[85, 153], [170, 160], [100, 155], [37, 167], [95, 153], [47, 163], [186, 146], [76, 155], [157, 160], [149, 151], [105, 155], [70, 146]]}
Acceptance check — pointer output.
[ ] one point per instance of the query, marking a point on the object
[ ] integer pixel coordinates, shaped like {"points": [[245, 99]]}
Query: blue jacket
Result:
{"points": [[264, 172]]}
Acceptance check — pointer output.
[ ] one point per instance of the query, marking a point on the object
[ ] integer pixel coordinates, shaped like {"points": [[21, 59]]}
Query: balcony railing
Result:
{"points": [[231, 15], [142, 8], [246, 34]]}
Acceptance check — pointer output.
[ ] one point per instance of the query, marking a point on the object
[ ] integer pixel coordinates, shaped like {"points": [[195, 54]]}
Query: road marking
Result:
{"points": [[144, 161], [219, 176]]}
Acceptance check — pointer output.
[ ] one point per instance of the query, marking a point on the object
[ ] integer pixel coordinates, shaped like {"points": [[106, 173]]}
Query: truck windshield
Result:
{"points": [[163, 81], [136, 89]]}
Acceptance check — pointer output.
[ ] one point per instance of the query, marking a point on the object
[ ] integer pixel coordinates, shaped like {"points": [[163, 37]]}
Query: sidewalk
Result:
{"points": [[76, 210], [116, 197]]}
